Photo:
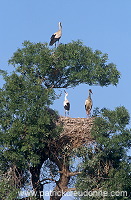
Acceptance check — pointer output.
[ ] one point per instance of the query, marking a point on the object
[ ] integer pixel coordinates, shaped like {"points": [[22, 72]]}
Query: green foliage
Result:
{"points": [[7, 190], [28, 125], [66, 66], [26, 121], [105, 163], [3, 73]]}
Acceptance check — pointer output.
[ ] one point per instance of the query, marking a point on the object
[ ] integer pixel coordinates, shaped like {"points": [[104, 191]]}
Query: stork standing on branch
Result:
{"points": [[56, 36], [88, 103], [66, 104]]}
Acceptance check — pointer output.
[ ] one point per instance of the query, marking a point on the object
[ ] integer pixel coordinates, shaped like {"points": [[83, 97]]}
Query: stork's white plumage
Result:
{"points": [[56, 36], [88, 103], [66, 104]]}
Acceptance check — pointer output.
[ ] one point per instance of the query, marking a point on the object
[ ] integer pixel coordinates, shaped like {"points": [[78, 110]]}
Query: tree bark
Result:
{"points": [[35, 174], [37, 186], [61, 185]]}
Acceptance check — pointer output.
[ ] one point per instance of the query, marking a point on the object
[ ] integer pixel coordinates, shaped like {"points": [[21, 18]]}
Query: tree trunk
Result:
{"points": [[35, 174], [37, 186], [61, 185]]}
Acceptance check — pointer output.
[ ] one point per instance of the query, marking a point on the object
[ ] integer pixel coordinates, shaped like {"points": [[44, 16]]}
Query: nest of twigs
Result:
{"points": [[76, 132]]}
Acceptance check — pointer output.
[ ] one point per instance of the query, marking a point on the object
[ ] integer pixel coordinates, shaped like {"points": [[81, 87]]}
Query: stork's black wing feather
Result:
{"points": [[67, 106], [52, 39]]}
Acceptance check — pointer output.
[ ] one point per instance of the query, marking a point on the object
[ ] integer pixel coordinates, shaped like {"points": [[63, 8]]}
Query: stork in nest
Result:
{"points": [[88, 104], [66, 104], [56, 36]]}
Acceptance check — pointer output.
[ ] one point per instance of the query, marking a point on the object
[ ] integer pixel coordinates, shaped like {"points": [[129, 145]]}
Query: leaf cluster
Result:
{"points": [[7, 190], [67, 66], [27, 122], [105, 163]]}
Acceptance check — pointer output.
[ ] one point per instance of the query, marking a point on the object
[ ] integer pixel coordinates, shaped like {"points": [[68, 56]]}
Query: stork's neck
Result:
{"points": [[89, 95], [66, 96], [60, 27]]}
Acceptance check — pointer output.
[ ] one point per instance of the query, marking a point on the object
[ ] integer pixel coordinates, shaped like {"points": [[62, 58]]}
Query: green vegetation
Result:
{"points": [[105, 164], [28, 125]]}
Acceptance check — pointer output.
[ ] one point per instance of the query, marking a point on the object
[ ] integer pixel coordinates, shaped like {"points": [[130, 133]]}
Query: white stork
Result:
{"points": [[56, 36], [88, 103], [66, 104]]}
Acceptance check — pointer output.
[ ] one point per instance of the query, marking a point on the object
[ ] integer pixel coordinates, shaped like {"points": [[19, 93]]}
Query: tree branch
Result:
{"points": [[74, 173], [70, 173], [48, 179], [70, 189]]}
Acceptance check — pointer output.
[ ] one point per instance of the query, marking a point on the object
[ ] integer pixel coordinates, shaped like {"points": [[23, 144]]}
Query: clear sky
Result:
{"points": [[103, 25]]}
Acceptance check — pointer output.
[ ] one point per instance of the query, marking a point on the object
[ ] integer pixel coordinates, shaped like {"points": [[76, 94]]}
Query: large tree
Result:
{"points": [[28, 125], [105, 165]]}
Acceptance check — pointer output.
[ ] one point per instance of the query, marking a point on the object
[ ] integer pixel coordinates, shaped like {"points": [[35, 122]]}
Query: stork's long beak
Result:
{"points": [[90, 91]]}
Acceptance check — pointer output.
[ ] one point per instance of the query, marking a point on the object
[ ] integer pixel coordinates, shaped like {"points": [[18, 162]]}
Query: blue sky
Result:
{"points": [[103, 25]]}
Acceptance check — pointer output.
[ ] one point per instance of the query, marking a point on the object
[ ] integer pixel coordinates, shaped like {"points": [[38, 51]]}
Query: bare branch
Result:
{"points": [[70, 189], [48, 179], [74, 173], [70, 173]]}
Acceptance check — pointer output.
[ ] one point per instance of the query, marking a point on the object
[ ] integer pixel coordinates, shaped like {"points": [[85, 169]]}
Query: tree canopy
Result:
{"points": [[66, 66], [105, 165], [29, 126]]}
